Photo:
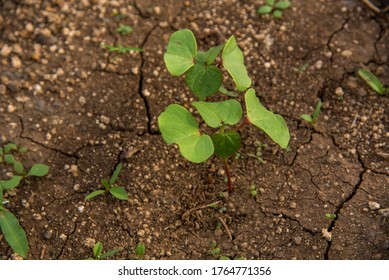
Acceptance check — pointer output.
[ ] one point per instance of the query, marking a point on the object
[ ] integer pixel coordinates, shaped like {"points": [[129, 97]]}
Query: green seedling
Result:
{"points": [[274, 7], [330, 216], [312, 118], [301, 69], [215, 250], [124, 29], [98, 252], [111, 187], [140, 250], [204, 78], [13, 233], [225, 258], [253, 191], [120, 50], [373, 82]]}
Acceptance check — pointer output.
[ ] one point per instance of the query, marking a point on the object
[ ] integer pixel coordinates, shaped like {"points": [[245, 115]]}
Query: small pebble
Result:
{"points": [[346, 53], [16, 62], [297, 240], [89, 242], [374, 205], [339, 91], [292, 205], [319, 64], [48, 234]]}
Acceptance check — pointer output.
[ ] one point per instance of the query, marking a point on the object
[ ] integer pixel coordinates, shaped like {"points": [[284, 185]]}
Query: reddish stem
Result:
{"points": [[243, 124], [226, 167]]}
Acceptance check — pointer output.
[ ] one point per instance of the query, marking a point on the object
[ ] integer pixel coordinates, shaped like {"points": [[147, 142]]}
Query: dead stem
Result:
{"points": [[225, 227]]}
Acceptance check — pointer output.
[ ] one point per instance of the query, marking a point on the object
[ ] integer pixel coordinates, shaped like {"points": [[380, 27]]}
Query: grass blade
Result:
{"points": [[14, 233]]}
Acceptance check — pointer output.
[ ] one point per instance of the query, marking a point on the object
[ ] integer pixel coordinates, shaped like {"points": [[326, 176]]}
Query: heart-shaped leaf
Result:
{"points": [[233, 61], [177, 125], [119, 193], [13, 233], [181, 52], [209, 56], [215, 114], [11, 183], [38, 170], [227, 143], [204, 81], [272, 124]]}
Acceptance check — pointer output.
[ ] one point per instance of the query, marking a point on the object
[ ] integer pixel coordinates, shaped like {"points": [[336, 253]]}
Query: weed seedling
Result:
{"points": [[120, 50], [111, 187], [312, 118], [140, 250], [330, 216], [274, 7], [98, 252], [204, 78], [124, 29], [253, 191], [9, 224], [215, 250], [373, 82]]}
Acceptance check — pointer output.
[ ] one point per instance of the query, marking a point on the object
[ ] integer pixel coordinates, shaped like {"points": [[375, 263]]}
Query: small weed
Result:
{"points": [[9, 224], [330, 216], [140, 250], [253, 191], [301, 69], [373, 82], [98, 252], [276, 8], [120, 50], [111, 187], [215, 250], [124, 29], [312, 118]]}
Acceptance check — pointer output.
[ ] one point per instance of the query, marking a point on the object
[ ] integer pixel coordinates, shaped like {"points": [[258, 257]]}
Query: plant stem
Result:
{"points": [[243, 124], [227, 168], [227, 92]]}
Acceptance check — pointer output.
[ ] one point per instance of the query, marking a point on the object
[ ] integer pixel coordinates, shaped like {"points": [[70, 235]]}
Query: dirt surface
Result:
{"points": [[82, 110]]}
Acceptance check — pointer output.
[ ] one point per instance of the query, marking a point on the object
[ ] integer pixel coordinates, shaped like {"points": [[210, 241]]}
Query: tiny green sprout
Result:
{"points": [[373, 82], [301, 69], [312, 119], [224, 258], [120, 50], [13, 233], [124, 29], [140, 250], [253, 191], [98, 252], [330, 216], [110, 187], [204, 77], [215, 250], [276, 8]]}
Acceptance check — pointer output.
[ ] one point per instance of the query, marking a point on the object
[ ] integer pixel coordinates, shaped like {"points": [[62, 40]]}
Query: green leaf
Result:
{"points": [[22, 150], [119, 193], [18, 167], [265, 9], [233, 61], [215, 114], [38, 170], [277, 14], [1, 152], [140, 249], [316, 113], [209, 56], [282, 5], [272, 124], [204, 81], [9, 147], [105, 183], [12, 183], [270, 2], [224, 258], [177, 125], [1, 197], [94, 194], [110, 253], [124, 29], [97, 249], [9, 158], [181, 52], [13, 233], [115, 173], [226, 143], [307, 118], [372, 81]]}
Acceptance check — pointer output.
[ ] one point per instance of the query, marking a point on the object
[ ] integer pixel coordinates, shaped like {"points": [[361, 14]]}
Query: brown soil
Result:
{"points": [[81, 110]]}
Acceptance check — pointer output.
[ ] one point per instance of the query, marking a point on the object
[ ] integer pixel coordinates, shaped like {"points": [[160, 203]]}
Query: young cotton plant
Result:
{"points": [[204, 78]]}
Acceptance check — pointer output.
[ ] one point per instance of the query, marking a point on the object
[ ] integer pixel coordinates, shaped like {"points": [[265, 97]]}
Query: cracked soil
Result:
{"points": [[82, 110]]}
